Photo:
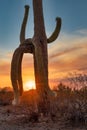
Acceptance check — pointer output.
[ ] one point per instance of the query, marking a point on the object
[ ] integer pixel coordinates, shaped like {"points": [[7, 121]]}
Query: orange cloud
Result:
{"points": [[67, 51]]}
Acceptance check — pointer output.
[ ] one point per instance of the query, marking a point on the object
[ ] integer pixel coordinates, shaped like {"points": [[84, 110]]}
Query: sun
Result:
{"points": [[29, 85]]}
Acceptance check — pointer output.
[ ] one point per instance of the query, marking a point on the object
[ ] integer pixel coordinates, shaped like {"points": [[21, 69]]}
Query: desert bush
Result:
{"points": [[6, 98], [76, 111], [70, 104], [77, 80]]}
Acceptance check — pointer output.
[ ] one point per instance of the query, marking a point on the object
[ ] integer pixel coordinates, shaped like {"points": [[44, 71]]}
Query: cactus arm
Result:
{"points": [[14, 76], [27, 47], [56, 31], [16, 73], [23, 27], [19, 72]]}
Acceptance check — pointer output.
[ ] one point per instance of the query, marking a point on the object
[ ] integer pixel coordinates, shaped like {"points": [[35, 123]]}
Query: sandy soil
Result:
{"points": [[18, 118]]}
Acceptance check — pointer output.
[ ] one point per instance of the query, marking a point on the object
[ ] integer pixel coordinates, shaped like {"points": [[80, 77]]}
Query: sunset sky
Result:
{"points": [[67, 54]]}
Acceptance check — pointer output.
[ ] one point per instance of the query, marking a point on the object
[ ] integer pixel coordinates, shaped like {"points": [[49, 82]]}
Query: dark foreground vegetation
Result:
{"points": [[68, 108]]}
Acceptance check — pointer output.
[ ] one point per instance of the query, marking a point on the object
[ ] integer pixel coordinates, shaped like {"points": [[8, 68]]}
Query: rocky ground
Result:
{"points": [[18, 118], [69, 112]]}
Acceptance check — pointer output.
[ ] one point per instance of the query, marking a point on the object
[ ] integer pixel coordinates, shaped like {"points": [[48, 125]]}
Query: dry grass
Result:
{"points": [[68, 107]]}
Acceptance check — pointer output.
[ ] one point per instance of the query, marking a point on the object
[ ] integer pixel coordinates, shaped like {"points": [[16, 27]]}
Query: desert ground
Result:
{"points": [[65, 114]]}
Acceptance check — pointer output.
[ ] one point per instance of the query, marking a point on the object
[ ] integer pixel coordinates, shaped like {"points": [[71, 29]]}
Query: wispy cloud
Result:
{"points": [[67, 51], [82, 32], [67, 41]]}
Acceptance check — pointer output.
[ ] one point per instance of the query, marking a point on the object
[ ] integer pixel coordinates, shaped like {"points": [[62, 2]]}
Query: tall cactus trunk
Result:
{"points": [[41, 77], [40, 55]]}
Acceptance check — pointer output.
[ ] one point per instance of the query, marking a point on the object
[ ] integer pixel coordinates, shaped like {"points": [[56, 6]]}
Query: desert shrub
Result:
{"points": [[76, 111], [63, 88], [77, 80], [70, 104], [5, 97]]}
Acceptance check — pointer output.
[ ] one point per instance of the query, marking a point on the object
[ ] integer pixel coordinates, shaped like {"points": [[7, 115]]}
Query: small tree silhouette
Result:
{"points": [[37, 45]]}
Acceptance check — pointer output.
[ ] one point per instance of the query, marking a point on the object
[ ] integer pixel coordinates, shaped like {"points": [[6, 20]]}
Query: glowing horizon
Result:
{"points": [[29, 85]]}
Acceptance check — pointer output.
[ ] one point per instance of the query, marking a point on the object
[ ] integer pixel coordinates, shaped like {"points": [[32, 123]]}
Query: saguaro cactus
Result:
{"points": [[37, 45]]}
